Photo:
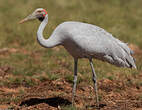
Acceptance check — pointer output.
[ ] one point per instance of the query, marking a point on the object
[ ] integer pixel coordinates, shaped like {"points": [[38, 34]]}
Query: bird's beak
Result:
{"points": [[28, 18]]}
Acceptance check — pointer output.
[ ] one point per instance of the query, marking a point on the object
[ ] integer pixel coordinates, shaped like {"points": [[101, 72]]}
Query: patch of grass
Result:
{"points": [[135, 73], [69, 78], [53, 76], [110, 77], [70, 107], [21, 81], [10, 98], [5, 99], [16, 99], [42, 78], [21, 91]]}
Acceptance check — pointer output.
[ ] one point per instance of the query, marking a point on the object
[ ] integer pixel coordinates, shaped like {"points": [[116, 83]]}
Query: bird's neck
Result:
{"points": [[48, 43]]}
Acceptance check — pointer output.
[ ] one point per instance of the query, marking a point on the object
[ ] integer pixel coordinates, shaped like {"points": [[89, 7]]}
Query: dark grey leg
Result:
{"points": [[74, 81], [95, 82]]}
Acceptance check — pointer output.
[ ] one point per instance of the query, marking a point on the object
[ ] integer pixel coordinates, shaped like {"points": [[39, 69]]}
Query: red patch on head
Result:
{"points": [[44, 12]]}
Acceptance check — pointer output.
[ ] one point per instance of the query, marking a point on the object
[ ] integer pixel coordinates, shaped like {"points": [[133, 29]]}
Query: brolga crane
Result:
{"points": [[84, 40]]}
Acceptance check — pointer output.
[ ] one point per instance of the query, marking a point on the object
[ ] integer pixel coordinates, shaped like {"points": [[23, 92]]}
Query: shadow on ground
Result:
{"points": [[55, 101]]}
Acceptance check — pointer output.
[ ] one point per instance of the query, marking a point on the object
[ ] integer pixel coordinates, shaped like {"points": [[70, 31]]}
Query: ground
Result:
{"points": [[56, 95], [41, 92]]}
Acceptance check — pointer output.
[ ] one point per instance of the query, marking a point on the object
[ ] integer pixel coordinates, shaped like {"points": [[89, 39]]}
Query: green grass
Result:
{"points": [[22, 81], [122, 18], [70, 107]]}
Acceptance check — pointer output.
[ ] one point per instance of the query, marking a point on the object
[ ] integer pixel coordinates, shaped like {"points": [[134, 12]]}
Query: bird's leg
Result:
{"points": [[95, 82], [74, 81]]}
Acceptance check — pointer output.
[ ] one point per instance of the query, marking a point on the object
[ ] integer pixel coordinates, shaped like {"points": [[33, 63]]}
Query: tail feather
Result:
{"points": [[130, 60], [128, 56]]}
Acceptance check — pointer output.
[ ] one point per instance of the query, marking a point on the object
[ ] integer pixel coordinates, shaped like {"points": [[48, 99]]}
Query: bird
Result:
{"points": [[83, 40]]}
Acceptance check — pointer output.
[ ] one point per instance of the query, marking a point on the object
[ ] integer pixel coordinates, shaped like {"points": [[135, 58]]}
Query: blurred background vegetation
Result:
{"points": [[27, 59]]}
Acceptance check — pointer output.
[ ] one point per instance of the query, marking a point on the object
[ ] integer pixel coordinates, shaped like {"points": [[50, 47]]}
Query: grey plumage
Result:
{"points": [[84, 40]]}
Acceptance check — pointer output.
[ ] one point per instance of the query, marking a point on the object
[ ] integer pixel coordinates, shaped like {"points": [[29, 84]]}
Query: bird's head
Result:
{"points": [[39, 13]]}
